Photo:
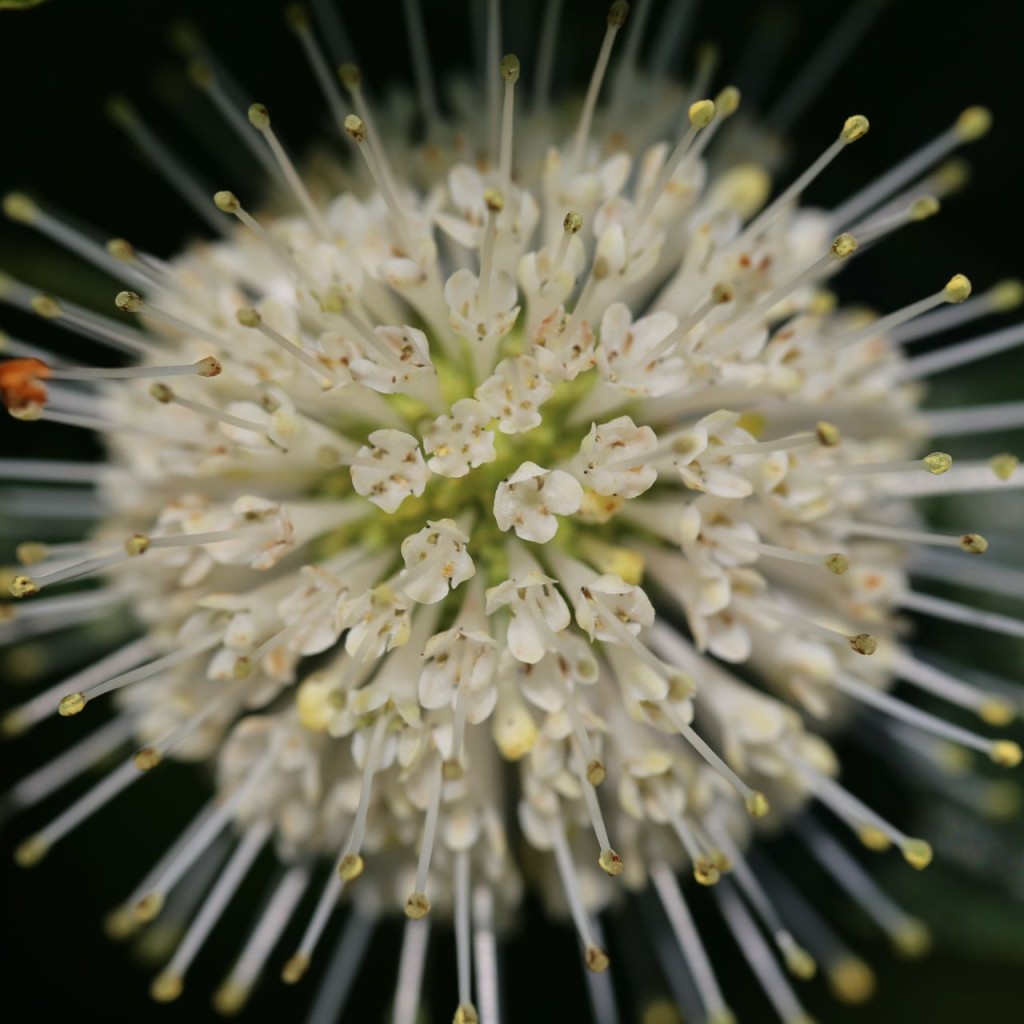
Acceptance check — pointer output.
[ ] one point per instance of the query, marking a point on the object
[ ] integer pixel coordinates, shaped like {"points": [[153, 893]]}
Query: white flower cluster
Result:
{"points": [[579, 468]]}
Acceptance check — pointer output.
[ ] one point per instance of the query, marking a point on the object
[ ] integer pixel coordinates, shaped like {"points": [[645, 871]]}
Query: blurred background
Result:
{"points": [[918, 65]]}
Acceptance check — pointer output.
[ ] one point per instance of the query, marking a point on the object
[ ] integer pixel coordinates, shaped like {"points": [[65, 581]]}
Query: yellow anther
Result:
{"points": [[466, 1014], [837, 563], [851, 981], [974, 543], [248, 317], [611, 862], [149, 907], [1006, 753], [596, 959], [20, 207], [912, 939], [595, 772], [1004, 465], [128, 302], [702, 113], [229, 1000], [30, 852], [864, 643], [843, 246], [757, 804], [1006, 295], [957, 289], [996, 711], [617, 13], [973, 123], [918, 853], [705, 872], [259, 116], [855, 128], [417, 906], [227, 201], [295, 968], [874, 838], [167, 987], [938, 463], [351, 867], [494, 200], [147, 759], [828, 434], [727, 102], [71, 705], [510, 68], [925, 207], [355, 127], [45, 306], [800, 963], [350, 75], [137, 544]]}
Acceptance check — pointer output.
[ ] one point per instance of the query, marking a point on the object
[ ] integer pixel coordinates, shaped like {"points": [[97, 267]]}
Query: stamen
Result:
{"points": [[701, 114], [24, 210], [168, 984], [798, 961], [755, 801], [862, 643], [75, 701], [617, 14], [961, 353], [233, 993], [208, 367], [168, 164], [996, 417], [758, 954], [356, 130], [35, 847], [720, 294], [595, 957], [609, 861], [204, 77], [1000, 298], [935, 463], [909, 935], [992, 708], [344, 967], [352, 80], [148, 757], [131, 302], [953, 611], [1001, 752], [704, 869], [51, 471], [872, 829], [827, 57], [492, 68], [411, 963], [249, 317], [97, 747], [510, 75], [228, 202], [27, 586], [297, 18], [485, 954], [418, 904], [972, 124], [835, 562], [259, 118], [688, 938], [422, 70], [957, 289], [546, 55], [854, 128], [871, 231], [571, 225], [205, 828], [972, 543], [22, 718], [466, 1012], [76, 318], [165, 396]]}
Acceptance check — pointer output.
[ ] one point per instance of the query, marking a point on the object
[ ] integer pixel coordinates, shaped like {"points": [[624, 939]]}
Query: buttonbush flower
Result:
{"points": [[512, 504]]}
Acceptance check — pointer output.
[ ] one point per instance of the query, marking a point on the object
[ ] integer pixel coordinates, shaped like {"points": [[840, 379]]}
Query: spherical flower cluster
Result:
{"points": [[516, 448]]}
